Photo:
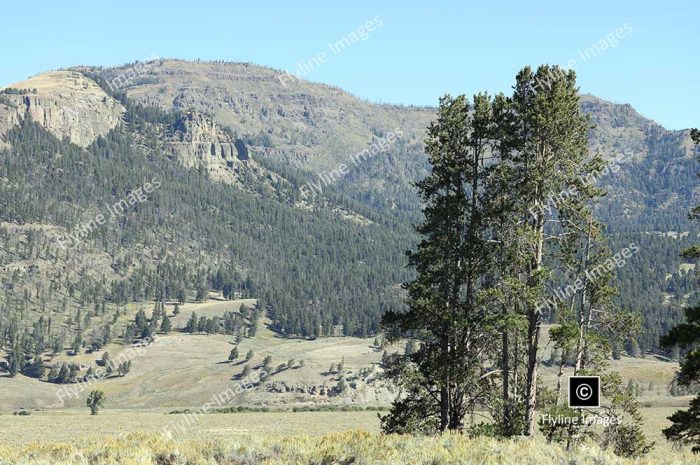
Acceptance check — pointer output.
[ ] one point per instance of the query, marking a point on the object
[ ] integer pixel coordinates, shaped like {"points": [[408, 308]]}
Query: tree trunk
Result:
{"points": [[505, 370], [533, 333], [560, 374], [582, 315], [533, 330]]}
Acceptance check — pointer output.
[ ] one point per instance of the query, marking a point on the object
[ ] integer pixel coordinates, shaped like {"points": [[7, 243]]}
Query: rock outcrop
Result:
{"points": [[66, 103], [198, 142]]}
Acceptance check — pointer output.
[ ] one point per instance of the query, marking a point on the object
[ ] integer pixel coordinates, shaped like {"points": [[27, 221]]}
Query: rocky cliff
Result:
{"points": [[66, 103]]}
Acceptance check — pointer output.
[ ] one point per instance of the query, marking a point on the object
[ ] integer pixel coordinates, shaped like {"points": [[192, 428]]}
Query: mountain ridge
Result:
{"points": [[238, 124]]}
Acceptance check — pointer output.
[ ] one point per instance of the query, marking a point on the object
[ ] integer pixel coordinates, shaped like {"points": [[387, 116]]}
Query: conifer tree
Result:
{"points": [[96, 400], [546, 150], [445, 377], [166, 325]]}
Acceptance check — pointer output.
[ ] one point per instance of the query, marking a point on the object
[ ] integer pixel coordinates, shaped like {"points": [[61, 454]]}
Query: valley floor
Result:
{"points": [[69, 426], [184, 371], [65, 426], [350, 447]]}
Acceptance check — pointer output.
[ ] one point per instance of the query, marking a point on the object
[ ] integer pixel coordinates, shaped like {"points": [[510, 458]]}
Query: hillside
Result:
{"points": [[236, 150], [181, 370]]}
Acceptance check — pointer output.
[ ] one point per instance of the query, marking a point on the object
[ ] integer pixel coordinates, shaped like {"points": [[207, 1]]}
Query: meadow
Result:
{"points": [[183, 371], [350, 447], [134, 437]]}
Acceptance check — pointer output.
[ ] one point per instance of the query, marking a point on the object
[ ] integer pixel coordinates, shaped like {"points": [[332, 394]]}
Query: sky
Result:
{"points": [[639, 52]]}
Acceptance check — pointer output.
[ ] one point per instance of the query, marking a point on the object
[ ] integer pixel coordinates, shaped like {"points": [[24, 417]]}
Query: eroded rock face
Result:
{"points": [[66, 103], [198, 142]]}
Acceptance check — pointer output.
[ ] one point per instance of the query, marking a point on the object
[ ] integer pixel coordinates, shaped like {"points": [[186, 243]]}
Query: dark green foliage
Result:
{"points": [[450, 261], [15, 362], [96, 400], [191, 326], [166, 326], [36, 369], [124, 368], [685, 426]]}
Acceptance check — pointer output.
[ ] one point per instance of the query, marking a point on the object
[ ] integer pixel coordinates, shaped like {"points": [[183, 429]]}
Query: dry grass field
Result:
{"points": [[350, 447], [68, 426], [77, 425]]}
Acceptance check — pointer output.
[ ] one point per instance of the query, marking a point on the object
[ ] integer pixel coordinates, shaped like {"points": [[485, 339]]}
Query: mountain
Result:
{"points": [[295, 193]]}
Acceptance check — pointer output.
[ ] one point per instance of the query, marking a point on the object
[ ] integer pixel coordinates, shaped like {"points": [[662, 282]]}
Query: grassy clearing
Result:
{"points": [[67, 426], [352, 447]]}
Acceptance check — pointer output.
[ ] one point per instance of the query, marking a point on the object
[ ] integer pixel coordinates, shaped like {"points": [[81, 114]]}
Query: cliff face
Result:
{"points": [[66, 103], [70, 105], [198, 142], [307, 124]]}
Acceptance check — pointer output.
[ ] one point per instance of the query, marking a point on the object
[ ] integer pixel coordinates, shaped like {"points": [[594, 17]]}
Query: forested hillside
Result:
{"points": [[231, 148], [316, 271]]}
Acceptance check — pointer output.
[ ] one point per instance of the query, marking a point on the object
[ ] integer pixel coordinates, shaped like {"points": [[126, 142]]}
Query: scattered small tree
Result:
{"points": [[95, 401], [342, 385], [15, 359], [685, 424], [124, 368], [37, 368], [191, 326], [166, 326], [77, 344]]}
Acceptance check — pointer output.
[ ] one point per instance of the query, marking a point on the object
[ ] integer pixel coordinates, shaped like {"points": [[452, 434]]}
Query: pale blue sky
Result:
{"points": [[420, 51]]}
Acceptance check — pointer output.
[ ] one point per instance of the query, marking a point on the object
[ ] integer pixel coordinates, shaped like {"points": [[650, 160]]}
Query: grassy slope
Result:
{"points": [[183, 370]]}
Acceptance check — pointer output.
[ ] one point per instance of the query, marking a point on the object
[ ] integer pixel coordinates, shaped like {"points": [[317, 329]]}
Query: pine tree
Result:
{"points": [[77, 344], [450, 261], [96, 400], [686, 424], [53, 376], [15, 361], [547, 152], [166, 325], [685, 427], [63, 374], [191, 326], [37, 369], [202, 324]]}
